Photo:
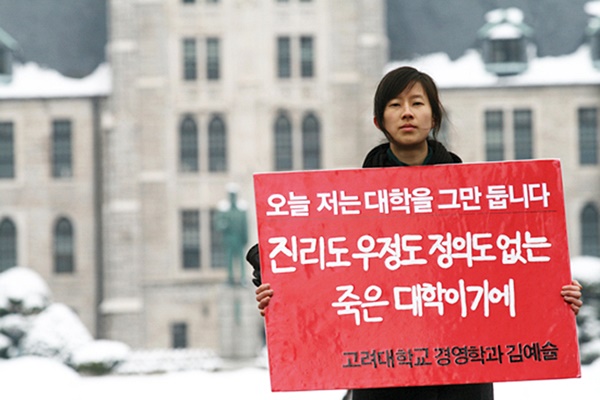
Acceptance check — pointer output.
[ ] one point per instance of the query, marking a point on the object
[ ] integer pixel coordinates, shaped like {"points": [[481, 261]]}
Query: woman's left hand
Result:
{"points": [[572, 295]]}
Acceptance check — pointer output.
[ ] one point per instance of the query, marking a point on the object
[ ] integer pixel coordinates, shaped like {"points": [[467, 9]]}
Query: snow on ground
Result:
{"points": [[43, 379], [586, 269]]}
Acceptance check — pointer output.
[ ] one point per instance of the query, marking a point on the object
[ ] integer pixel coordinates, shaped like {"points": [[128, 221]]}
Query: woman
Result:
{"points": [[407, 109]]}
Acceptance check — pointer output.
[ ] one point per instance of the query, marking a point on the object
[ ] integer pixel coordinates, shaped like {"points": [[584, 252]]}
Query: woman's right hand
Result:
{"points": [[263, 297]]}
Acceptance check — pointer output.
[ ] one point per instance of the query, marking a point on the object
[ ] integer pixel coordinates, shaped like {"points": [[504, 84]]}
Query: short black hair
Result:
{"points": [[398, 80]]}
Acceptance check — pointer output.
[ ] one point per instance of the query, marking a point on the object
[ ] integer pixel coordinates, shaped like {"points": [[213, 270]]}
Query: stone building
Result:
{"points": [[203, 94], [206, 93], [507, 103], [119, 186]]}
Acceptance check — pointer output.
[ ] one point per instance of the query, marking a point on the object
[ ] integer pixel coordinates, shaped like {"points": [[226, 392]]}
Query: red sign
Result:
{"points": [[414, 276]]}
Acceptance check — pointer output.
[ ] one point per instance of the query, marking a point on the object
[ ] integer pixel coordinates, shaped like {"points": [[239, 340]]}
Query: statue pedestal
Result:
{"points": [[240, 323]]}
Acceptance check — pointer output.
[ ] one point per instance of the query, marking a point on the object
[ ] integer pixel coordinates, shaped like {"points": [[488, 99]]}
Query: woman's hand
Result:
{"points": [[263, 297], [572, 295]]}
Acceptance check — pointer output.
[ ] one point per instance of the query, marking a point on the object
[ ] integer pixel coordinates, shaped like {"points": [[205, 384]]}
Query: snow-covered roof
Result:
{"points": [[32, 81], [469, 70], [592, 8], [505, 24]]}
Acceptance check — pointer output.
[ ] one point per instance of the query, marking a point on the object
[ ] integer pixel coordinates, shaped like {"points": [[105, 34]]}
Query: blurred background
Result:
{"points": [[130, 131]]}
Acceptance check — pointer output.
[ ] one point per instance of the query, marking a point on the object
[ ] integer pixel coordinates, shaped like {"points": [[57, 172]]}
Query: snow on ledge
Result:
{"points": [[469, 70], [30, 81]]}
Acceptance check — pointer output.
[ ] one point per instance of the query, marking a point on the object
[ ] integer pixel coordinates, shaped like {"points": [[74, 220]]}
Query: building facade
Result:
{"points": [[513, 105], [206, 93], [49, 181], [120, 190]]}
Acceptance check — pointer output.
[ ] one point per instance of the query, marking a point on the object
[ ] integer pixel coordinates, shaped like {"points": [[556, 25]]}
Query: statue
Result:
{"points": [[232, 222]]}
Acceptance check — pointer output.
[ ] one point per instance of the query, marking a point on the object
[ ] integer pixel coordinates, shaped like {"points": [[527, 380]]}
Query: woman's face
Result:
{"points": [[408, 119]]}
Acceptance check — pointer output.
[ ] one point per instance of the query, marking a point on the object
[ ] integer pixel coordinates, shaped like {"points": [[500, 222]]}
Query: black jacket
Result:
{"points": [[376, 158], [253, 258]]}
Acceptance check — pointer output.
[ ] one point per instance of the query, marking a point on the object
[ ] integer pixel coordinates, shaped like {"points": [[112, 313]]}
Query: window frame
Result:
{"points": [[190, 59], [217, 144], [64, 246], [307, 56], [590, 230], [213, 58], [8, 244], [7, 150], [188, 144], [283, 143], [284, 57], [523, 133], [179, 335], [191, 247], [311, 142], [62, 148], [587, 135], [494, 135]]}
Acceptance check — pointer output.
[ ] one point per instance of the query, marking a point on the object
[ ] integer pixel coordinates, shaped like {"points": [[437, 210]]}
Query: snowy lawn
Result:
{"points": [[37, 378], [29, 377]]}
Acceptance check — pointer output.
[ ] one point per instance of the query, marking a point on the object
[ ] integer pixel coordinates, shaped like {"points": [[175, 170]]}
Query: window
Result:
{"points": [[212, 59], [7, 154], [190, 232], [505, 56], [523, 134], [64, 260], [217, 246], [188, 145], [494, 136], [284, 57], [190, 67], [590, 234], [179, 338], [306, 57], [506, 50], [588, 136], [8, 244], [311, 143], [283, 144], [61, 149], [217, 145]]}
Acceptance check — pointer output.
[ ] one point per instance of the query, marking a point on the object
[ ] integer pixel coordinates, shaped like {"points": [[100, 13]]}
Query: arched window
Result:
{"points": [[283, 144], [217, 145], [590, 234], [311, 142], [188, 145], [8, 244], [64, 249]]}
